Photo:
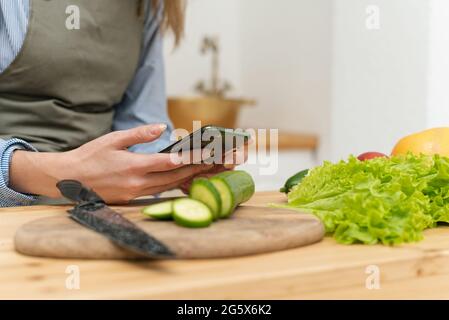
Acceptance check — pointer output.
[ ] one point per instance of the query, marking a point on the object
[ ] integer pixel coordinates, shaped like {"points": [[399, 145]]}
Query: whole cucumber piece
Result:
{"points": [[235, 187], [294, 180]]}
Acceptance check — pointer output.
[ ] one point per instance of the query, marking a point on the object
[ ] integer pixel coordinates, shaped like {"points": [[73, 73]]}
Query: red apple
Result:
{"points": [[371, 155]]}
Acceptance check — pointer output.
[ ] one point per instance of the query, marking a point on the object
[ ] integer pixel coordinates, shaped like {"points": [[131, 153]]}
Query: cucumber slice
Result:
{"points": [[203, 190], [227, 199], [161, 210], [191, 213], [235, 187]]}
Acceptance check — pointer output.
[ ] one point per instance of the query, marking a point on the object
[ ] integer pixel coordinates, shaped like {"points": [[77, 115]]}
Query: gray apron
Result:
{"points": [[61, 89]]}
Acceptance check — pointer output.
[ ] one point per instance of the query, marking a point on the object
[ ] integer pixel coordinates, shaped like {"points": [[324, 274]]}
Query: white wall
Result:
{"points": [[277, 53], [313, 66], [379, 76], [285, 47], [438, 75], [185, 66]]}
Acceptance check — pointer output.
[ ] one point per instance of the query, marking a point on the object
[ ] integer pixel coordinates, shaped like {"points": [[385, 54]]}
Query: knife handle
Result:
{"points": [[76, 192]]}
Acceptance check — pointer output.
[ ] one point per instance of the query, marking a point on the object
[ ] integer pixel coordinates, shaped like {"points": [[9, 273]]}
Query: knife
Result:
{"points": [[92, 212]]}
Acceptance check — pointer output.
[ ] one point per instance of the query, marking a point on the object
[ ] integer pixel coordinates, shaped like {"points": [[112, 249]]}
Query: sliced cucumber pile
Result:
{"points": [[209, 199]]}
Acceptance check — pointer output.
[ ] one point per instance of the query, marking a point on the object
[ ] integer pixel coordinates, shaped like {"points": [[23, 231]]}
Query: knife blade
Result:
{"points": [[92, 212]]}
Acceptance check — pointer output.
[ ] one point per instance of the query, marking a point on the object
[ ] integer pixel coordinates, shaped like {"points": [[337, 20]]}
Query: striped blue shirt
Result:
{"points": [[13, 29], [144, 101]]}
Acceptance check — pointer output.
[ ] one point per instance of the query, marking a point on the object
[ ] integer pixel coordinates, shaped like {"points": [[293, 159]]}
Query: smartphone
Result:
{"points": [[210, 137]]}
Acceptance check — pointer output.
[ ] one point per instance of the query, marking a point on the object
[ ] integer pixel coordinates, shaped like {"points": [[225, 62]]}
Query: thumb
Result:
{"points": [[127, 138]]}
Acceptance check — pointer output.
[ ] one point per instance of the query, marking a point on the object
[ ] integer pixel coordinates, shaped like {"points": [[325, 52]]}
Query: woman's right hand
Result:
{"points": [[104, 165]]}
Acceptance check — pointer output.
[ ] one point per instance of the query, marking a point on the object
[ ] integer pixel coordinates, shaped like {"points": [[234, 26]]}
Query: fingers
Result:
{"points": [[161, 162], [237, 157], [157, 162], [242, 152], [187, 173], [173, 176], [137, 186], [126, 138], [159, 189], [185, 186], [213, 171], [221, 168]]}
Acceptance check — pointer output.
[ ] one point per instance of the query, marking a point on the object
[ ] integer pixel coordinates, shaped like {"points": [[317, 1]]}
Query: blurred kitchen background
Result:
{"points": [[336, 77]]}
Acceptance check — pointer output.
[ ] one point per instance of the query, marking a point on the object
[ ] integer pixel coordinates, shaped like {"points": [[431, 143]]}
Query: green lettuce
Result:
{"points": [[383, 200]]}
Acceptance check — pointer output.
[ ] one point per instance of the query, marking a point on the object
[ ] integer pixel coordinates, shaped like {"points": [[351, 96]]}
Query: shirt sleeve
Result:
{"points": [[145, 100], [13, 28], [9, 197]]}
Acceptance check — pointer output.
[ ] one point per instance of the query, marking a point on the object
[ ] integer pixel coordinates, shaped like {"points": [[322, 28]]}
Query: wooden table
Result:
{"points": [[324, 270]]}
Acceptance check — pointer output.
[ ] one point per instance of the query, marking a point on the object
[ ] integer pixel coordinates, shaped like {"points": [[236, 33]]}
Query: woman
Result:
{"points": [[83, 99]]}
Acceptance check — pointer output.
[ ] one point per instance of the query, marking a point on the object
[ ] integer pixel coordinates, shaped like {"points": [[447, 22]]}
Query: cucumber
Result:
{"points": [[235, 187], [294, 180], [161, 210], [203, 190], [191, 213], [227, 198]]}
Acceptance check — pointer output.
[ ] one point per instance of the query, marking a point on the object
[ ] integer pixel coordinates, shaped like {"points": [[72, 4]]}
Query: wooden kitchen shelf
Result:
{"points": [[294, 141]]}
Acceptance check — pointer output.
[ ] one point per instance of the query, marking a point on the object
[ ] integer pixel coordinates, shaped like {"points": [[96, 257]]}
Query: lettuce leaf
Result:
{"points": [[383, 200]]}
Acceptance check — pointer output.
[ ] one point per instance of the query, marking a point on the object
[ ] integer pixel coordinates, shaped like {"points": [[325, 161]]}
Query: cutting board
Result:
{"points": [[251, 230]]}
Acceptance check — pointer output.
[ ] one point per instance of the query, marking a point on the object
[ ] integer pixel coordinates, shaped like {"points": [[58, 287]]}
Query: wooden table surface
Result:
{"points": [[325, 270]]}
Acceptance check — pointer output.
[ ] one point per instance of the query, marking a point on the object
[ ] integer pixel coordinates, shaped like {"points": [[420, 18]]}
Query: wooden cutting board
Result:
{"points": [[250, 230]]}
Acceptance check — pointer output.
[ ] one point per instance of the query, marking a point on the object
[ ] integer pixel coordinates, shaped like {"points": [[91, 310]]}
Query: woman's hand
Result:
{"points": [[185, 186], [104, 165], [239, 156]]}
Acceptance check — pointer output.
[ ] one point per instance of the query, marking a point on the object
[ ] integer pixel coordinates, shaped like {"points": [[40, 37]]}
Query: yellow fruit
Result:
{"points": [[431, 141]]}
